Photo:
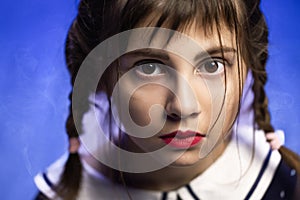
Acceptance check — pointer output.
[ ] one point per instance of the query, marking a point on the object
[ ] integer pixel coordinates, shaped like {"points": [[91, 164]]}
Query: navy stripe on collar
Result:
{"points": [[192, 192], [164, 196], [261, 172], [49, 183]]}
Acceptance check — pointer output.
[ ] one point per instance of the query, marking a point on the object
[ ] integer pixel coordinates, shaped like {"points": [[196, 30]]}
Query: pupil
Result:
{"points": [[211, 67], [148, 69]]}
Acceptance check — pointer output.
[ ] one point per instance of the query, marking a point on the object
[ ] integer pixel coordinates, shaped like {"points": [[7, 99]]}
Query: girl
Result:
{"points": [[168, 102]]}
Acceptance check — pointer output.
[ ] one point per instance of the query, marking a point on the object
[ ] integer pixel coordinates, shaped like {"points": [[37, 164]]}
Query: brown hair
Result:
{"points": [[98, 20]]}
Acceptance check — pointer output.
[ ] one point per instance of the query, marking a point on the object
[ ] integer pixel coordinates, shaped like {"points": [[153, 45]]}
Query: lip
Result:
{"points": [[182, 139]]}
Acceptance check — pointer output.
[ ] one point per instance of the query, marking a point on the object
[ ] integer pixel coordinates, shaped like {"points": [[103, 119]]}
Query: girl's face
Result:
{"points": [[182, 98]]}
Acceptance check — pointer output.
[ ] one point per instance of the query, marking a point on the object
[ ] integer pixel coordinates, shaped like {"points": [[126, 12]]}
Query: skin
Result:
{"points": [[192, 105]]}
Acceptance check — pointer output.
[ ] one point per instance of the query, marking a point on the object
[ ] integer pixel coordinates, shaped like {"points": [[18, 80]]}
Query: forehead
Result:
{"points": [[209, 23], [189, 43]]}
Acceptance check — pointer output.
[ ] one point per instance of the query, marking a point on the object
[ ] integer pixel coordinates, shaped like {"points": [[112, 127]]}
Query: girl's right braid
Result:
{"points": [[76, 49], [70, 179], [86, 31]]}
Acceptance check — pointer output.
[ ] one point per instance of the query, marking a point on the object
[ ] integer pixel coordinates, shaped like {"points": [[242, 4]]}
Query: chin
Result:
{"points": [[188, 158]]}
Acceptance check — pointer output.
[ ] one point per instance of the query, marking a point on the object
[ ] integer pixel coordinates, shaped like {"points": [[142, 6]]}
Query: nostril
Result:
{"points": [[173, 117], [195, 114]]}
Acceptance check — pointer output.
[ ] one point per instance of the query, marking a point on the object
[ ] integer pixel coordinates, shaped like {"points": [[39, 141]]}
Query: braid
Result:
{"points": [[70, 179], [87, 30], [78, 45], [258, 55]]}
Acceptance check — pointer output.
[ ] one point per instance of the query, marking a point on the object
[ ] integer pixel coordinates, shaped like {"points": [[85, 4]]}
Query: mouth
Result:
{"points": [[182, 139]]}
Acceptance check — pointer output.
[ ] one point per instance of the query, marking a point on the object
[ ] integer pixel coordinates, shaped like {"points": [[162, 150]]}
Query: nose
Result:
{"points": [[182, 102]]}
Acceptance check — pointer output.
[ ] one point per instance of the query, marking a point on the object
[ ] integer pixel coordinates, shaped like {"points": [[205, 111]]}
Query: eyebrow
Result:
{"points": [[156, 54], [215, 50], [161, 55]]}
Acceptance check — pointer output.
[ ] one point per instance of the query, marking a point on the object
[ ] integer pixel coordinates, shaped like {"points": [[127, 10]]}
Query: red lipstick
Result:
{"points": [[182, 139]]}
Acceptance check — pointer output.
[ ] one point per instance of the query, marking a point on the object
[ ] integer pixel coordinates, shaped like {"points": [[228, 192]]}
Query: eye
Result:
{"points": [[149, 68], [211, 67]]}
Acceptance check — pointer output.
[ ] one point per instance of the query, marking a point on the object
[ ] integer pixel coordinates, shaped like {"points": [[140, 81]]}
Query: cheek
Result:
{"points": [[231, 104], [141, 102], [219, 104], [210, 93]]}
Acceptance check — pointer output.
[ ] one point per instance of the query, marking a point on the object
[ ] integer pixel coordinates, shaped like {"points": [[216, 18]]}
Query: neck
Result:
{"points": [[165, 179]]}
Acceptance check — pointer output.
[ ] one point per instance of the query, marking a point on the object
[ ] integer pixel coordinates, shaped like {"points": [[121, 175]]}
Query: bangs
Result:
{"points": [[180, 15]]}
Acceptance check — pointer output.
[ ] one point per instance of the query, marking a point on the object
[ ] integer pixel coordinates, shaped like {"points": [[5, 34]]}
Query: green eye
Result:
{"points": [[211, 67], [149, 68]]}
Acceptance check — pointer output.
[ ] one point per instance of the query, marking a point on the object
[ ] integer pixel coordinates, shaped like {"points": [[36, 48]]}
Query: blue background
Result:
{"points": [[34, 84]]}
